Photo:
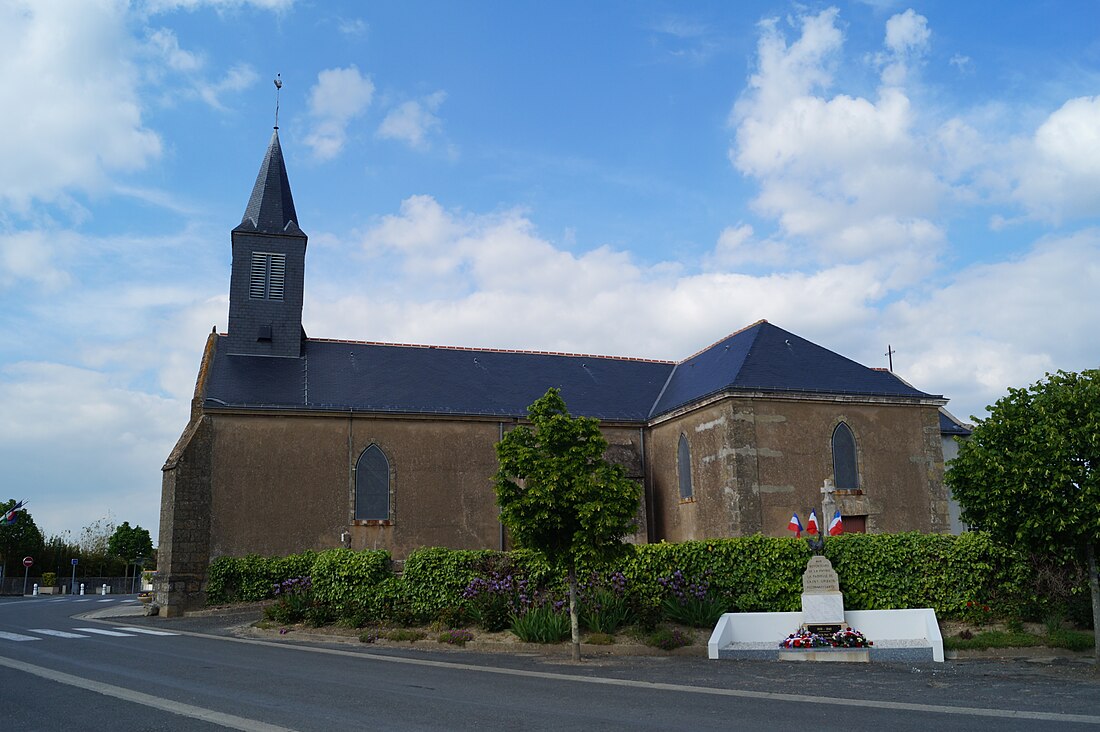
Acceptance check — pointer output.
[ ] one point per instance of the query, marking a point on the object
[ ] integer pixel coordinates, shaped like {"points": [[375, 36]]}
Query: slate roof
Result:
{"points": [[949, 425], [270, 208], [764, 357], [378, 377]]}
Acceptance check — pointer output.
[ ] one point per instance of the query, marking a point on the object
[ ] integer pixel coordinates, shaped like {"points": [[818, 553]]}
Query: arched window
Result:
{"points": [[683, 468], [845, 469], [372, 486]]}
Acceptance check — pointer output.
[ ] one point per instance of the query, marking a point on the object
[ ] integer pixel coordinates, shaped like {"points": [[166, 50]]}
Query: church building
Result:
{"points": [[299, 443]]}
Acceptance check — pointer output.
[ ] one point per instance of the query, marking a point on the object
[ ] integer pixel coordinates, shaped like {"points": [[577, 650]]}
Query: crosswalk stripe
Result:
{"points": [[56, 633], [108, 600], [100, 631], [147, 631], [17, 637]]}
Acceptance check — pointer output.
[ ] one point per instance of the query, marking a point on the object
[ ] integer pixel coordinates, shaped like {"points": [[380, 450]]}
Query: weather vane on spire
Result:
{"points": [[278, 86]]}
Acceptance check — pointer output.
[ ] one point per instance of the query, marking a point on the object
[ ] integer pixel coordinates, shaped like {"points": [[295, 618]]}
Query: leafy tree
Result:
{"points": [[559, 497], [1030, 472], [131, 544], [18, 540]]}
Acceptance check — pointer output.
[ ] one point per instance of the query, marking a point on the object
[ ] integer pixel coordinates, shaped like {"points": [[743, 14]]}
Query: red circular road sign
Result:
{"points": [[27, 561]]}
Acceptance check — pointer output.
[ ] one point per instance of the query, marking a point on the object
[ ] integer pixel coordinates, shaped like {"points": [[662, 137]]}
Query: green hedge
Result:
{"points": [[952, 574], [346, 581]]}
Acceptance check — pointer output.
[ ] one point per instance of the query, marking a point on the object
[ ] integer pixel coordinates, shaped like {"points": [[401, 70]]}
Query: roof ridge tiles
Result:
{"points": [[726, 337], [472, 349]]}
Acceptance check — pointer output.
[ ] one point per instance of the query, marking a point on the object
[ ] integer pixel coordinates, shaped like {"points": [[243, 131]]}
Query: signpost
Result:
{"points": [[72, 588], [27, 562]]}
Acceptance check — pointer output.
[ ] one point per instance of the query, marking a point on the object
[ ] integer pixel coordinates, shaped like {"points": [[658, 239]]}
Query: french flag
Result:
{"points": [[836, 526], [796, 526], [9, 517], [811, 523]]}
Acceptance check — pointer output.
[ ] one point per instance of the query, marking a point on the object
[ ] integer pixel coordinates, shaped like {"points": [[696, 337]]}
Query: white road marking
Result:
{"points": [[147, 631], [17, 637], [104, 632], [184, 710], [55, 633]]}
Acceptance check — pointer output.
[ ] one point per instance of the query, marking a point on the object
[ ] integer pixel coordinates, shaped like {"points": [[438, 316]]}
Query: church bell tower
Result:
{"points": [[268, 272]]}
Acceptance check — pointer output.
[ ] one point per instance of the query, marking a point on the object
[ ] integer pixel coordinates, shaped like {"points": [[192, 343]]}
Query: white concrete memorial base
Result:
{"points": [[897, 635]]}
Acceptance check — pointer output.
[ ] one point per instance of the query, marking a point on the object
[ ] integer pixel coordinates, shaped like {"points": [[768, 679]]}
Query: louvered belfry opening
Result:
{"points": [[267, 276]]}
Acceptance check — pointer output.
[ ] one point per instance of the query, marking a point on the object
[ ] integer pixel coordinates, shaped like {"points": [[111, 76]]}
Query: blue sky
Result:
{"points": [[624, 178]]}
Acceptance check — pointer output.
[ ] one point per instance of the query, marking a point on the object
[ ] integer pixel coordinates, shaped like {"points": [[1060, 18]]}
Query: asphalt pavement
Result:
{"points": [[1021, 679]]}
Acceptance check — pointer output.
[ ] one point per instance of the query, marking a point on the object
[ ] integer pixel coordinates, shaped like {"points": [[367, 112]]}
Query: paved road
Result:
{"points": [[194, 676]]}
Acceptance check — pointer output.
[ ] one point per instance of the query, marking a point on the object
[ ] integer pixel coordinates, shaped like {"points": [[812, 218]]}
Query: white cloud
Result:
{"points": [[1060, 173], [353, 26], [73, 112], [491, 280], [1003, 324], [413, 121], [30, 256], [102, 440], [165, 42], [907, 40], [236, 78], [848, 176], [738, 247], [161, 6], [338, 97]]}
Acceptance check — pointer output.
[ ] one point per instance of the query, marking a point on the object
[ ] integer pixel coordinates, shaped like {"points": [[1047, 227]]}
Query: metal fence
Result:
{"points": [[92, 585]]}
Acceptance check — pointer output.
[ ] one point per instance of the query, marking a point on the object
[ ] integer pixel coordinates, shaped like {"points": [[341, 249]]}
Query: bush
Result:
{"points": [[492, 601], [345, 581], [691, 601], [754, 573], [668, 639], [49, 579], [405, 634], [1073, 640], [435, 579], [604, 607], [293, 600], [458, 637], [600, 639], [544, 623]]}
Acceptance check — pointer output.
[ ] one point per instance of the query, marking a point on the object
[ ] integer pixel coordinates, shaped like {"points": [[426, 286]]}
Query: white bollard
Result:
{"points": [[81, 588], [103, 590], [35, 591]]}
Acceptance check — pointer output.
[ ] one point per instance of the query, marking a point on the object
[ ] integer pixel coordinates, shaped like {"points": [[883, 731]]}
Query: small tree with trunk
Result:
{"points": [[130, 543], [1030, 472], [559, 497]]}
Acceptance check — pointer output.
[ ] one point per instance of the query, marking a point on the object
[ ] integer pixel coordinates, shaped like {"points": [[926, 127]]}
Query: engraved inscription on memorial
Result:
{"points": [[822, 603], [820, 576]]}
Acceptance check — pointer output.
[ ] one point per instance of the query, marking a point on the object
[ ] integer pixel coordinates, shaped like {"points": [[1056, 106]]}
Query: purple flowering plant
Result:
{"points": [[690, 600], [493, 600], [604, 605], [293, 599]]}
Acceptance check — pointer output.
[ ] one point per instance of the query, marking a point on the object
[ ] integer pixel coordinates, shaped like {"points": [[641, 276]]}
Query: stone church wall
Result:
{"points": [[285, 483], [754, 461]]}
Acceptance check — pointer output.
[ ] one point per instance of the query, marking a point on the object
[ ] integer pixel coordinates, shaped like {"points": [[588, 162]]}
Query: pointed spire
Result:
{"points": [[271, 207]]}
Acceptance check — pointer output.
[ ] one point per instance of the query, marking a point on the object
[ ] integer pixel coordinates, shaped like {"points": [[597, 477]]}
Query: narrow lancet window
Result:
{"points": [[683, 468], [372, 486], [845, 467]]}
